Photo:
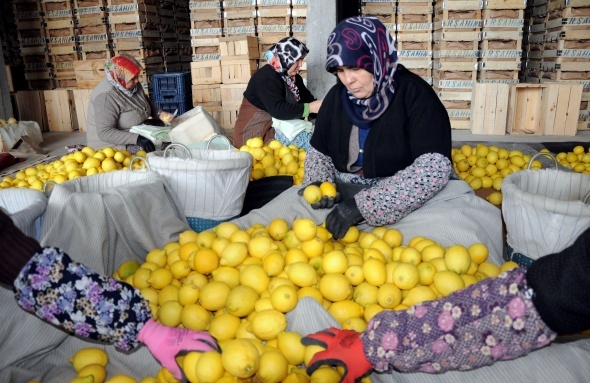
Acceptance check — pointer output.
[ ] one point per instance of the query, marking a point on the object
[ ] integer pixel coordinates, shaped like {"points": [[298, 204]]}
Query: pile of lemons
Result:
{"points": [[577, 160], [238, 284], [484, 166], [84, 162], [90, 365], [274, 159], [10, 121]]}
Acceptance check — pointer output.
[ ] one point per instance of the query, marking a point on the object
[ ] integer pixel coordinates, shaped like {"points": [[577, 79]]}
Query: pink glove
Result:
{"points": [[165, 343]]}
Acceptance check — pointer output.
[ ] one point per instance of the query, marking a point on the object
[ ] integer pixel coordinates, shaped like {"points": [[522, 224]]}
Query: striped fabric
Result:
{"points": [[544, 210], [26, 208]]}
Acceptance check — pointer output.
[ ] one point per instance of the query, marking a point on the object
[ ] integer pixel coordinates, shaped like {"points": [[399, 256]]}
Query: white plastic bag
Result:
{"points": [[196, 125], [210, 184], [544, 210]]}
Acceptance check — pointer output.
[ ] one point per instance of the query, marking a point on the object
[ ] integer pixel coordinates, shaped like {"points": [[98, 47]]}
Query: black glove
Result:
{"points": [[17, 249], [326, 202], [146, 144], [342, 218]]}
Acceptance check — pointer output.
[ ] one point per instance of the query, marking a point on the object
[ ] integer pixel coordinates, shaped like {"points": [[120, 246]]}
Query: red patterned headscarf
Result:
{"points": [[121, 69]]}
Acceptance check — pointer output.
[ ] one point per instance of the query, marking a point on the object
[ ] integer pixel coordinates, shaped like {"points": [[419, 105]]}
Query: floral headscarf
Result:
{"points": [[287, 51], [364, 42], [120, 70]]}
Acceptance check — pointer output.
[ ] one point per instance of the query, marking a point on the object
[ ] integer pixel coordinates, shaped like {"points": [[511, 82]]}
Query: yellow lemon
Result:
{"points": [[209, 368], [382, 247], [447, 281], [457, 259], [508, 266], [121, 378], [160, 278], [371, 310], [365, 294], [313, 248], [410, 255], [334, 262], [417, 295], [468, 279], [224, 326], [188, 294], [233, 254], [98, 372], [389, 296], [127, 268], [302, 274], [87, 356], [273, 367], [439, 264], [289, 344], [273, 263], [305, 229], [312, 194], [284, 298], [478, 252], [240, 358], [489, 269], [140, 278], [328, 189], [157, 256], [206, 238], [255, 277], [240, 300], [346, 309], [180, 269], [355, 324], [426, 271], [168, 293], [415, 240], [311, 292], [205, 261], [374, 272], [351, 236], [335, 287], [406, 276], [196, 279], [228, 275], [169, 313], [195, 317], [278, 228], [267, 324], [225, 229], [213, 295], [310, 351], [259, 246], [355, 275]]}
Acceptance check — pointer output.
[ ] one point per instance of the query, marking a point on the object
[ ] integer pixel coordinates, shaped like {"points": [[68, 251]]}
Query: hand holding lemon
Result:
{"points": [[320, 195]]}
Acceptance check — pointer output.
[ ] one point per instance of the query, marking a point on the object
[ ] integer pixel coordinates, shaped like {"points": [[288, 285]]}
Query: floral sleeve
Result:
{"points": [[492, 320], [318, 167], [393, 198], [73, 297]]}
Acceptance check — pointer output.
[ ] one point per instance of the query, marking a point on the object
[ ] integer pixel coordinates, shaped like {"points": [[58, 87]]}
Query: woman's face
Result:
{"points": [[295, 67], [132, 83], [358, 81]]}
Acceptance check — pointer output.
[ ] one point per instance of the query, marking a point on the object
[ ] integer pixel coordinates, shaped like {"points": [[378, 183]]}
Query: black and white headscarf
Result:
{"points": [[287, 51]]}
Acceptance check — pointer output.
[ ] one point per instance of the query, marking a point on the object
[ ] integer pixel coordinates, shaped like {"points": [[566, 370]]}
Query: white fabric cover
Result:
{"points": [[26, 208]]}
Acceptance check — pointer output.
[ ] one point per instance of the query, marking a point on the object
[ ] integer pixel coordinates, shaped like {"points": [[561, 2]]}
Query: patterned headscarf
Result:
{"points": [[287, 51], [364, 42], [120, 70]]}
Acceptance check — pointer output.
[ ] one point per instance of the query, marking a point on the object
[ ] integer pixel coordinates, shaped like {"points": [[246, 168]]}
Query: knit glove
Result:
{"points": [[343, 348], [146, 144], [166, 343], [342, 218]]}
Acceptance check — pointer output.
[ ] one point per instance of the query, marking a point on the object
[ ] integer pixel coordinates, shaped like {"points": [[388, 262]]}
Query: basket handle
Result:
{"points": [[147, 164], [190, 156], [543, 154], [219, 136]]}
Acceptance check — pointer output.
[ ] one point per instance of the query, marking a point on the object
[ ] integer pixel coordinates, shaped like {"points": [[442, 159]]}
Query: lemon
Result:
{"points": [[478, 252], [127, 268], [310, 351], [374, 272], [351, 236], [267, 324], [328, 189], [389, 296], [346, 309], [255, 277], [259, 246], [273, 263], [355, 275], [365, 294], [121, 378], [457, 259], [160, 278], [508, 266], [157, 256], [240, 300], [151, 295], [180, 269], [410, 255], [334, 262], [371, 310], [302, 274], [468, 279], [240, 358], [406, 276], [195, 317], [225, 229], [289, 344], [439, 264], [233, 254], [213, 295], [206, 238], [88, 356], [304, 229], [335, 287], [284, 298], [311, 292], [312, 194], [168, 293], [140, 278], [186, 249], [228, 275], [97, 371], [278, 228], [355, 324], [194, 278], [273, 367], [489, 269], [417, 295], [224, 326], [426, 271], [209, 368], [447, 281], [169, 313]]}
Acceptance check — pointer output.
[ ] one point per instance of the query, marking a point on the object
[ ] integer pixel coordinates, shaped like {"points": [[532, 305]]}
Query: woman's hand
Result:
{"points": [[314, 106]]}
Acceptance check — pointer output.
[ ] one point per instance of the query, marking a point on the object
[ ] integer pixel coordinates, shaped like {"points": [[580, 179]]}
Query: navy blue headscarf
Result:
{"points": [[364, 42]]}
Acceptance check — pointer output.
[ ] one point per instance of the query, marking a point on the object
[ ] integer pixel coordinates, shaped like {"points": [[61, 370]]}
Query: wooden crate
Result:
{"points": [[546, 108], [207, 95], [237, 71], [59, 105], [240, 47], [205, 72], [89, 73], [232, 94], [489, 108], [81, 101], [30, 105]]}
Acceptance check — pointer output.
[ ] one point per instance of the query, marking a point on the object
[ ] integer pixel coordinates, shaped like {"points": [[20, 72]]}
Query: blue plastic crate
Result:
{"points": [[172, 86], [171, 106]]}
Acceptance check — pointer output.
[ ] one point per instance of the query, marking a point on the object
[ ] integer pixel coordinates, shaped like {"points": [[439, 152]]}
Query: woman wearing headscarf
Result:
{"points": [[119, 103], [383, 136], [275, 90]]}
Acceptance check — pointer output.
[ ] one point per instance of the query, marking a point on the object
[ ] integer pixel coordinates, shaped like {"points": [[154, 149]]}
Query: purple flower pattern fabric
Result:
{"points": [[70, 295], [489, 321]]}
